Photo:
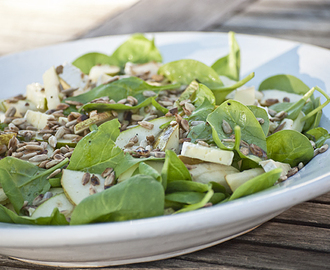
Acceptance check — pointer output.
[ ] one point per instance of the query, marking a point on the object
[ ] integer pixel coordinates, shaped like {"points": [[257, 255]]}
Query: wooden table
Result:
{"points": [[300, 237]]}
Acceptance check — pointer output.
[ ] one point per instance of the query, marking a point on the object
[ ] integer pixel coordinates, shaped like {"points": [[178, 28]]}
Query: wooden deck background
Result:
{"points": [[297, 239]]}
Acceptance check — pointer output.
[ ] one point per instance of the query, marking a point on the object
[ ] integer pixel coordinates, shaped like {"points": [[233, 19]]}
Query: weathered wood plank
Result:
{"points": [[322, 199], [313, 214], [168, 15], [236, 253], [290, 236]]}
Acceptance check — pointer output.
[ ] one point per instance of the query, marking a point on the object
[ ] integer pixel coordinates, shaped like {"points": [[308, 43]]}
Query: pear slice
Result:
{"points": [[156, 164], [52, 88], [59, 201], [168, 139], [36, 94], [77, 185], [237, 179], [3, 196], [22, 106], [210, 154], [142, 132], [269, 165], [96, 119], [296, 124], [99, 70], [207, 172], [38, 119]]}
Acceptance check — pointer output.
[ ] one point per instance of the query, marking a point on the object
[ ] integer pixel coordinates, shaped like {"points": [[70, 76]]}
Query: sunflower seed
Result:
{"points": [[95, 181], [132, 100], [137, 117], [19, 121], [148, 93], [185, 124], [200, 142], [74, 103], [10, 112], [292, 171], [226, 127], [146, 125], [286, 99], [312, 143], [15, 154], [257, 151], [122, 101], [54, 173], [34, 147], [52, 141], [261, 121], [106, 172], [92, 190], [281, 115], [270, 101], [323, 148], [39, 158], [109, 181], [85, 179], [29, 155], [300, 165], [60, 132], [71, 123], [52, 163], [282, 178]]}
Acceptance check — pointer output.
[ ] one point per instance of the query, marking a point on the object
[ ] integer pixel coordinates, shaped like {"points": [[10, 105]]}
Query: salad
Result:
{"points": [[124, 136]]}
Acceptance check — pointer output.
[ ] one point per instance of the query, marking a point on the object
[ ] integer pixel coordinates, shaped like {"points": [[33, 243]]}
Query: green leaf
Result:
{"points": [[174, 169], [201, 112], [185, 197], [257, 184], [230, 64], [122, 202], [137, 49], [97, 150], [148, 170], [23, 181], [9, 216], [186, 70], [120, 89], [88, 60], [283, 82], [236, 114], [183, 185], [261, 113], [289, 146], [319, 135], [202, 131]]}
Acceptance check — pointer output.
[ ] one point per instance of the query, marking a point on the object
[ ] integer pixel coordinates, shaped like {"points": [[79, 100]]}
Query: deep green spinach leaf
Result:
{"points": [[122, 202], [289, 146]]}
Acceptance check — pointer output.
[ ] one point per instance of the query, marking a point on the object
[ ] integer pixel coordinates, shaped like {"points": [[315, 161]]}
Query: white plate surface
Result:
{"points": [[168, 236]]}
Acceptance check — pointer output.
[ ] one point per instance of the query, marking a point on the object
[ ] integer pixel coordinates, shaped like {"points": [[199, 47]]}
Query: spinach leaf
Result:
{"points": [[185, 197], [148, 170], [97, 150], [186, 70], [281, 106], [88, 60], [261, 113], [289, 146], [173, 169], [200, 204], [182, 185], [120, 89], [236, 114], [230, 64], [257, 184], [23, 181], [140, 196], [108, 107], [9, 216], [202, 131], [309, 106], [319, 135], [284, 82], [201, 112], [137, 49]]}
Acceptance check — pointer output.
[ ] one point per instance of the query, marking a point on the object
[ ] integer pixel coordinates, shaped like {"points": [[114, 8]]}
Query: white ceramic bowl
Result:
{"points": [[168, 236]]}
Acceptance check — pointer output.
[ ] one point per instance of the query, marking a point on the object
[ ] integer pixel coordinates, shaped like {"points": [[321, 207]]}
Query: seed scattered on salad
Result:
{"points": [[127, 140]]}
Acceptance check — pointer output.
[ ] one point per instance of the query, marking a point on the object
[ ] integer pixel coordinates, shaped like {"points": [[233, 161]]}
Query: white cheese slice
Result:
{"points": [[150, 68], [99, 70], [37, 119], [210, 154], [269, 165], [73, 77], [52, 88], [36, 94]]}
